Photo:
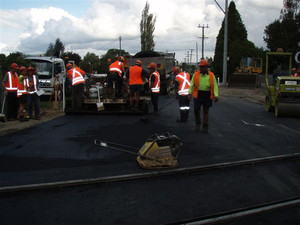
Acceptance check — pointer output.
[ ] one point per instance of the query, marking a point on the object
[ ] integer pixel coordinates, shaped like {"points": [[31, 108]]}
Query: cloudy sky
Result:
{"points": [[85, 26]]}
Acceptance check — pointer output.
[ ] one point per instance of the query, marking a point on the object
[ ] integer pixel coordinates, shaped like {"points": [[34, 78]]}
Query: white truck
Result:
{"points": [[50, 71]]}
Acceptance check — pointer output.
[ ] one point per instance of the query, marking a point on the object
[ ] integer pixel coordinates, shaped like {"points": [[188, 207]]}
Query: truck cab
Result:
{"points": [[50, 71]]}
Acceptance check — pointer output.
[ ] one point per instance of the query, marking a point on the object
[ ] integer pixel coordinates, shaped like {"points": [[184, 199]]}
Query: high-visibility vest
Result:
{"points": [[31, 85], [135, 75], [77, 77], [22, 88], [117, 66], [12, 82], [155, 87], [184, 83], [196, 84]]}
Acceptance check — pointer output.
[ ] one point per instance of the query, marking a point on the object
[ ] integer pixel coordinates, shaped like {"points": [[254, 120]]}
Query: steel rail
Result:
{"points": [[135, 176], [241, 212]]}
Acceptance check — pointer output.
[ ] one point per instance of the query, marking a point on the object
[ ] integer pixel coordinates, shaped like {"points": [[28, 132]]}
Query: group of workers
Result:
{"points": [[20, 91], [202, 88]]}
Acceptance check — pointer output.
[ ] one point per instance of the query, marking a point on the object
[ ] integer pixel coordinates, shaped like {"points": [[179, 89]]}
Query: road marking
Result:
{"points": [[254, 124]]}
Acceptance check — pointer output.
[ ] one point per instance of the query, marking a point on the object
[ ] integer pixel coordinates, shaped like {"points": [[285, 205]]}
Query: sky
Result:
{"points": [[29, 26]]}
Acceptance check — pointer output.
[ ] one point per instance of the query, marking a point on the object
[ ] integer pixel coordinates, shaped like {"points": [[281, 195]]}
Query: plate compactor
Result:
{"points": [[159, 151]]}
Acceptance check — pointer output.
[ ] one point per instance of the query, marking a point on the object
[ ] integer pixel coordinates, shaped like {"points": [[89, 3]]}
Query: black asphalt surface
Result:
{"points": [[63, 149]]}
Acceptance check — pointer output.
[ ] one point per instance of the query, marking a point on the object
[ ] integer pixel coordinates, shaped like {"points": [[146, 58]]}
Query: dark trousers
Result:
{"points": [[33, 99], [205, 101], [184, 107], [12, 104], [77, 96], [154, 100], [115, 77]]}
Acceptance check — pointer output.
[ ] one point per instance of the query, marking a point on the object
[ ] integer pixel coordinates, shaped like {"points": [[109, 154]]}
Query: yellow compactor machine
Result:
{"points": [[282, 90], [159, 151]]}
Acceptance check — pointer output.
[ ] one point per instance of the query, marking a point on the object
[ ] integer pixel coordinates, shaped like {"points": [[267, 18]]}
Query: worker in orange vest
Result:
{"points": [[294, 73], [204, 89], [116, 73], [136, 76], [75, 75], [22, 93], [154, 85], [10, 84], [182, 84]]}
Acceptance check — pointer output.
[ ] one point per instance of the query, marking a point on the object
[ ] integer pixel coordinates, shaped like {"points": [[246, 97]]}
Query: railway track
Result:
{"points": [[135, 176]]}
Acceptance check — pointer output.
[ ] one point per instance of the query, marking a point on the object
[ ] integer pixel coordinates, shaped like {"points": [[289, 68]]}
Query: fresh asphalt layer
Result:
{"points": [[63, 149]]}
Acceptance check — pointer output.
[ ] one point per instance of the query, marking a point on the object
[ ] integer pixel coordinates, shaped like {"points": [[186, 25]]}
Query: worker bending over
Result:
{"points": [[182, 84], [154, 85], [116, 72], [136, 75], [204, 89], [76, 77]]}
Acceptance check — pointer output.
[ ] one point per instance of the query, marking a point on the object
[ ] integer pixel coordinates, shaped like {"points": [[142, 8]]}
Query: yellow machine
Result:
{"points": [[159, 151], [250, 65]]}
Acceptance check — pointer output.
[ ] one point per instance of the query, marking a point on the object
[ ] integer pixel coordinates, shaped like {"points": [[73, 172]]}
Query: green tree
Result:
{"points": [[90, 62], [56, 50], [67, 56], [284, 32], [147, 27], [238, 44]]}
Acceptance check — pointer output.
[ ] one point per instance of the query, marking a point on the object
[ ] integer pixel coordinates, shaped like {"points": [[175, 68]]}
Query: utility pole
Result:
{"points": [[225, 41], [203, 27], [191, 56], [120, 39], [196, 52]]}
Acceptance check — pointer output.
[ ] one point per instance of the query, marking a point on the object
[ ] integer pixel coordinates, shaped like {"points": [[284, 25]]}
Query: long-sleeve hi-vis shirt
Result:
{"points": [[204, 84]]}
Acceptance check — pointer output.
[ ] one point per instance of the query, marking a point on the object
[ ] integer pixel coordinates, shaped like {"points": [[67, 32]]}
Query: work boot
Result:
{"points": [[205, 128]]}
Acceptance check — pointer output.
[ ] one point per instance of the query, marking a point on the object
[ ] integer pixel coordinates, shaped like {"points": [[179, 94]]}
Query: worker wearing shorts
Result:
{"points": [[136, 75]]}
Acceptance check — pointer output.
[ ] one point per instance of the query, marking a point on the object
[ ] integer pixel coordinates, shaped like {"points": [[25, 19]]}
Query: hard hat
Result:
{"points": [[138, 62], [30, 68], [69, 66], [121, 58], [152, 66], [176, 69], [14, 66], [22, 68], [203, 62]]}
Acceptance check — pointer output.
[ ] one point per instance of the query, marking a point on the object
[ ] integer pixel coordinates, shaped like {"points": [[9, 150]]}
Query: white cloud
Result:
{"points": [[98, 29]]}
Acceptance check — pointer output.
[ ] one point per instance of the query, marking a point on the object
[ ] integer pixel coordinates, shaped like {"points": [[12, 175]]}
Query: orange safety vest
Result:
{"points": [[117, 66], [135, 75], [31, 85], [12, 82], [75, 75], [183, 79], [155, 87], [22, 88], [196, 84]]}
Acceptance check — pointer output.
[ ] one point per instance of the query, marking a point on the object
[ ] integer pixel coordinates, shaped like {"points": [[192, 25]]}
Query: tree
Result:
{"points": [[238, 44], [90, 62], [56, 50], [284, 32], [147, 27], [67, 56]]}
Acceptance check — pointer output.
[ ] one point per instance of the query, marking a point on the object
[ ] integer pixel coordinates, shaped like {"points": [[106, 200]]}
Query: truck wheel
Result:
{"points": [[268, 106]]}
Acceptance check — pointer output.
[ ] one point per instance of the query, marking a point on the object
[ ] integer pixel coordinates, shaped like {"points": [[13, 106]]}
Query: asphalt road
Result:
{"points": [[63, 149]]}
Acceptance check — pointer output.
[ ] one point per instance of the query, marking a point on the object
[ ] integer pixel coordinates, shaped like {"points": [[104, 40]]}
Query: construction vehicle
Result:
{"points": [[49, 70], [250, 65], [282, 90]]}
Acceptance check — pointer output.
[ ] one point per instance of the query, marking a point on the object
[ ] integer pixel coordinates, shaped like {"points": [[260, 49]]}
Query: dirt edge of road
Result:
{"points": [[252, 95]]}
